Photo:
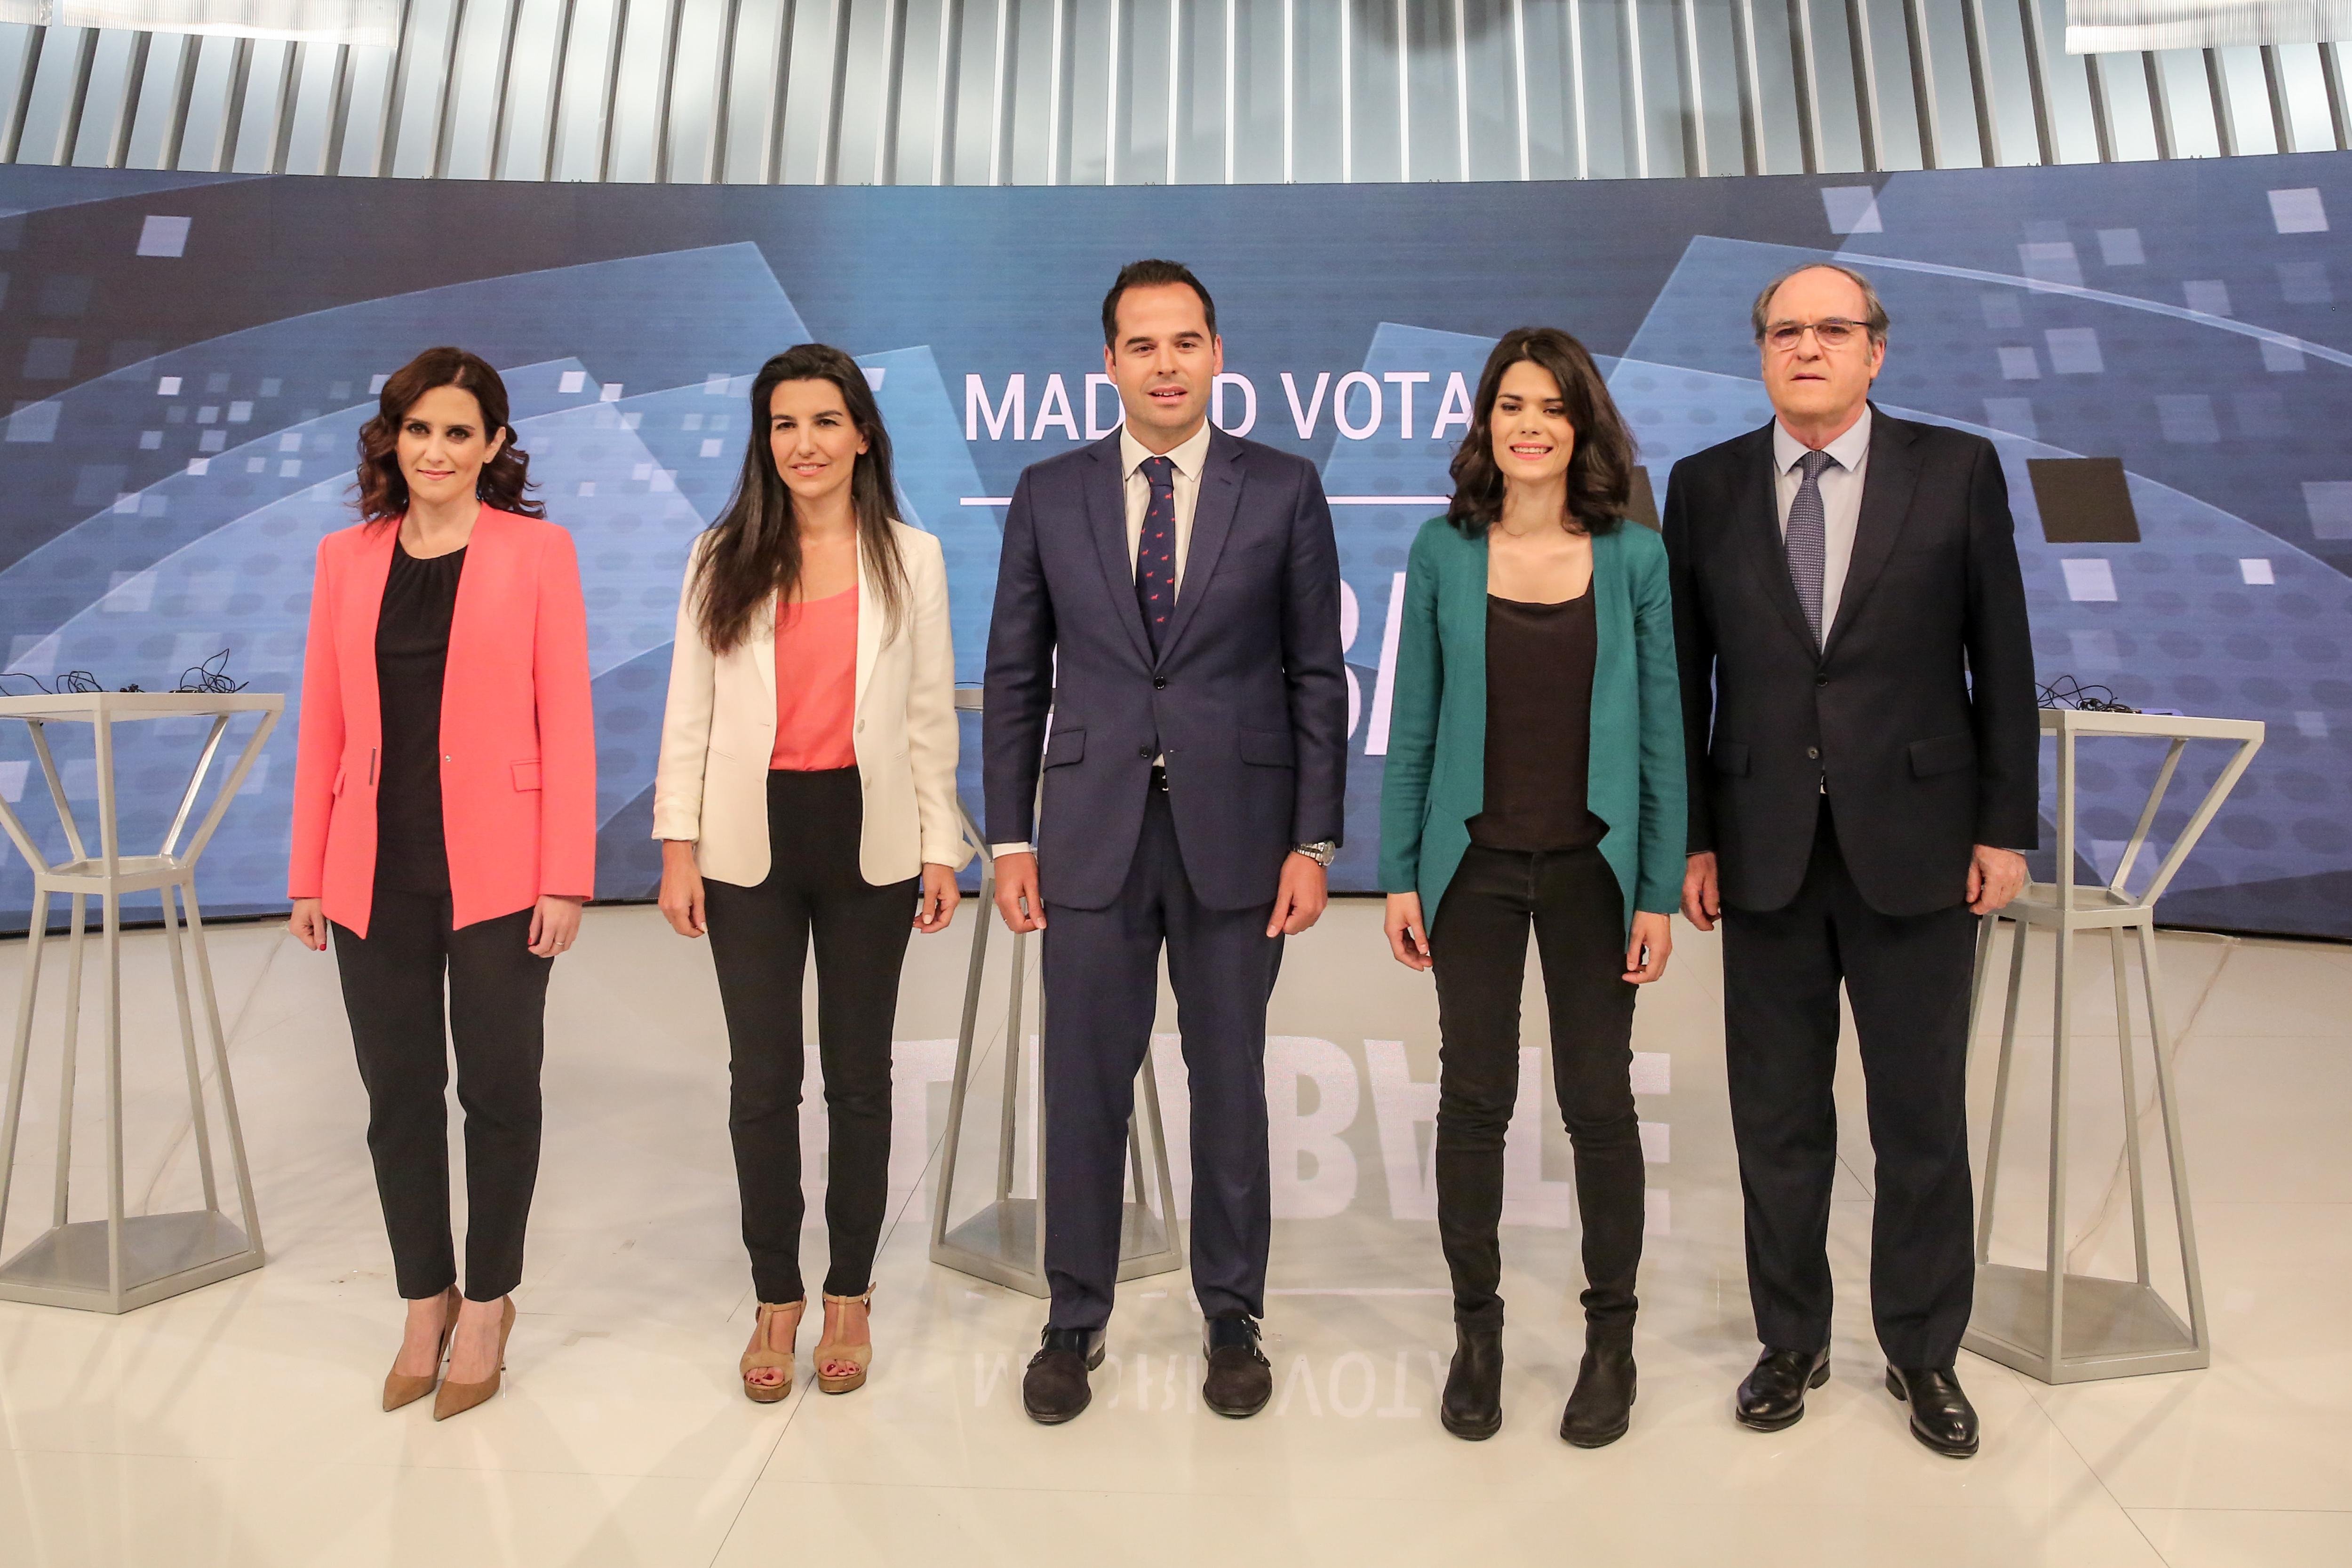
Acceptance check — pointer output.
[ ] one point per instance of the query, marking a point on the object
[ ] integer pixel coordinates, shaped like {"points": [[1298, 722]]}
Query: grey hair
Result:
{"points": [[1874, 318]]}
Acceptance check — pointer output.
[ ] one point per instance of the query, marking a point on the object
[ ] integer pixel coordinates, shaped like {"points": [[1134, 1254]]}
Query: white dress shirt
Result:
{"points": [[1840, 487], [1188, 459]]}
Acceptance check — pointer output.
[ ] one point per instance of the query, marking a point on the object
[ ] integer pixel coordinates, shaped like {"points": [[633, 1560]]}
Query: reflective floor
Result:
{"points": [[237, 1425]]}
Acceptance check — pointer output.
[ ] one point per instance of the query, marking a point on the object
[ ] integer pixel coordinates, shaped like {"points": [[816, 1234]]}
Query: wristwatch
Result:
{"points": [[1322, 851]]}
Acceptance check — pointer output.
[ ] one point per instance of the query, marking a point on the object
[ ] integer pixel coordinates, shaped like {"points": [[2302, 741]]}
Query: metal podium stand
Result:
{"points": [[2049, 1323], [1004, 1241], [123, 1261]]}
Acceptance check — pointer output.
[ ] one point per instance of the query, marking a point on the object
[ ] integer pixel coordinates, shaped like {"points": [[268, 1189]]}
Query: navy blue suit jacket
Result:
{"points": [[1248, 698]]}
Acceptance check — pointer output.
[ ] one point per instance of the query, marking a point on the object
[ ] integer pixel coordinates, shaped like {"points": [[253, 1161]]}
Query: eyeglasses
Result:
{"points": [[1830, 332]]}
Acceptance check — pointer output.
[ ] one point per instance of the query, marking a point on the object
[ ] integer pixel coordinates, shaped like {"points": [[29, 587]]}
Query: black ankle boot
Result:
{"points": [[1473, 1407], [1602, 1407]]}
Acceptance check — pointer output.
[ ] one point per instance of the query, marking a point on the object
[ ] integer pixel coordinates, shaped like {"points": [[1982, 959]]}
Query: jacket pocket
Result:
{"points": [[526, 774], [1268, 747], [1730, 757], [1065, 747], [1942, 754]]}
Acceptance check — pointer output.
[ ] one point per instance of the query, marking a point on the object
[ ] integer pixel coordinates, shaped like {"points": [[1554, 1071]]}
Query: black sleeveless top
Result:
{"points": [[412, 660], [1539, 727]]}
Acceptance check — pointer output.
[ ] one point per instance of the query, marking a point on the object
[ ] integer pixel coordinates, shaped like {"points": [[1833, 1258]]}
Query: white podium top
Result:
{"points": [[89, 707], [2154, 725]]}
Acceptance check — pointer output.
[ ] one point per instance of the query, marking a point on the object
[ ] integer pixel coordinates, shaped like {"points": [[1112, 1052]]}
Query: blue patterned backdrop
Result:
{"points": [[186, 361]]}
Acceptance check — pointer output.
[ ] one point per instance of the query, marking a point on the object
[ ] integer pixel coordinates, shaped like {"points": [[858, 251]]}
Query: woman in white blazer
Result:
{"points": [[806, 791]]}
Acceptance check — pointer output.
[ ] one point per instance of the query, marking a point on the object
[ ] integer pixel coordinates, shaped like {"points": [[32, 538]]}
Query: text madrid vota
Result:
{"points": [[1359, 405]]}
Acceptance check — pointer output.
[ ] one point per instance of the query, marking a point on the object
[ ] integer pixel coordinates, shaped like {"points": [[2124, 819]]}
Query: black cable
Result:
{"points": [[2066, 692], [210, 677]]}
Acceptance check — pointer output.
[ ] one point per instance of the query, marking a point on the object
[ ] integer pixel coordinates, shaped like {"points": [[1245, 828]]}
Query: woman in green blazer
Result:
{"points": [[1535, 779]]}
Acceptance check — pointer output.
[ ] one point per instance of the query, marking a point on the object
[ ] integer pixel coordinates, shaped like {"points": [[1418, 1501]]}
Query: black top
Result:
{"points": [[1539, 727], [411, 656]]}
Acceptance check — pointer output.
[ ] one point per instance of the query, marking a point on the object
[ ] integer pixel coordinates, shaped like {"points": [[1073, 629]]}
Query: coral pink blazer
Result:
{"points": [[517, 738]]}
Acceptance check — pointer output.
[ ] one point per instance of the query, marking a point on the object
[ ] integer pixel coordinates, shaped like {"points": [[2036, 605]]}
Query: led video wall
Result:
{"points": [[187, 360]]}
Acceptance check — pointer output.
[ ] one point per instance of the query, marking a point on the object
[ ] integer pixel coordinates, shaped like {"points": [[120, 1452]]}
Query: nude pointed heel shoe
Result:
{"points": [[765, 1359], [457, 1398], [831, 1353], [399, 1388]]}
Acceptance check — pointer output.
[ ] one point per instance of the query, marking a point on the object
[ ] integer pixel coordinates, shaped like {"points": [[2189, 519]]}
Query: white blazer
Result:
{"points": [[719, 729]]}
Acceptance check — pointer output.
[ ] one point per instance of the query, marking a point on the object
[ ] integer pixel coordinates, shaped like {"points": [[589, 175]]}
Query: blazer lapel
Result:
{"points": [[1213, 521], [1886, 487], [474, 633], [1105, 502], [1761, 503], [363, 592]]}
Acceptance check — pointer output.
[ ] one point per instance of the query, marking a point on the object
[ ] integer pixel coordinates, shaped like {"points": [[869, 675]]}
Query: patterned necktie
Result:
{"points": [[1155, 551], [1807, 551]]}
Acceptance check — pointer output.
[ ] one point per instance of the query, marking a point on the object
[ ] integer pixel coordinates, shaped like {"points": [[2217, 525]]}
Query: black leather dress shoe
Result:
{"points": [[1471, 1408], [1772, 1395], [1240, 1379], [1941, 1415], [1055, 1388], [1602, 1406]]}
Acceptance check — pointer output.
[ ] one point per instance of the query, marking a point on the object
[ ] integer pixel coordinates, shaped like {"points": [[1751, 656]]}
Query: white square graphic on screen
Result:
{"points": [[2209, 294], [1657, 1144], [1653, 1073], [1852, 210], [2120, 247], [2329, 502], [163, 237], [12, 780], [874, 377], [2257, 571], [167, 386], [2050, 261], [572, 381], [2089, 580], [710, 447], [2311, 725], [2280, 358], [2074, 350], [2020, 364], [2299, 211]]}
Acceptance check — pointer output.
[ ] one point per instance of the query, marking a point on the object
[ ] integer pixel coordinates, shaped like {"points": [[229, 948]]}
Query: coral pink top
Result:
{"points": [[816, 683]]}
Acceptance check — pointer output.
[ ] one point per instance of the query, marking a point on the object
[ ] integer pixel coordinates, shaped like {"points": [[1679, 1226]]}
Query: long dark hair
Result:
{"points": [[383, 493], [754, 548], [1601, 470]]}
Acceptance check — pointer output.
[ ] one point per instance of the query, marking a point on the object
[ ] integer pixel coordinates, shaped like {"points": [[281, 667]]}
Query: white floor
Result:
{"points": [[237, 1425]]}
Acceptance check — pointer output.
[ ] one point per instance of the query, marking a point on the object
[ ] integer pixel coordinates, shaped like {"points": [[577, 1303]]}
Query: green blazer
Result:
{"points": [[1436, 780]]}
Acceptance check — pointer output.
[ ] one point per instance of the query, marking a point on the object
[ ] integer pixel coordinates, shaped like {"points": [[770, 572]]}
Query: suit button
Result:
{"points": [[1144, 752], [1821, 680], [1815, 752], [1159, 682]]}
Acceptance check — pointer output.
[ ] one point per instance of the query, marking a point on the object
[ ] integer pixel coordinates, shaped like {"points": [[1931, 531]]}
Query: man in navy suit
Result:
{"points": [[1187, 585]]}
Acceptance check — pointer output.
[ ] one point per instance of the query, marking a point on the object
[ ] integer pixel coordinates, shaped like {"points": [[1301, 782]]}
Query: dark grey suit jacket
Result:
{"points": [[1248, 698]]}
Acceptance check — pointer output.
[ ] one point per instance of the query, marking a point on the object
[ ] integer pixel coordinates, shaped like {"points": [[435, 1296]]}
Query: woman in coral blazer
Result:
{"points": [[445, 829], [807, 788]]}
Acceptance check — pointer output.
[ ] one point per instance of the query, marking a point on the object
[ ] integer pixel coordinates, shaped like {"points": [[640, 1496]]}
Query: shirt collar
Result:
{"points": [[1848, 449], [1187, 457]]}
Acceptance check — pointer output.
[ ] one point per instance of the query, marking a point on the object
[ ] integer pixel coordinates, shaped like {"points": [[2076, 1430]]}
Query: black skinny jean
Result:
{"points": [[1479, 942], [393, 979], [759, 940]]}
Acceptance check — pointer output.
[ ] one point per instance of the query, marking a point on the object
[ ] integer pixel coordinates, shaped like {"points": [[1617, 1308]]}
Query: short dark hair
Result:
{"points": [[1144, 275], [1600, 471]]}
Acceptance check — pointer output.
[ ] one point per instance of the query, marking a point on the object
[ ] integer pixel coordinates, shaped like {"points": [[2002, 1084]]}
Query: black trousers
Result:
{"points": [[1102, 985], [759, 940], [1907, 979], [1479, 943], [393, 980]]}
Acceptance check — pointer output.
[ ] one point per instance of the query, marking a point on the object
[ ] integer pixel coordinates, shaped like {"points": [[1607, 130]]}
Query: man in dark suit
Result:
{"points": [[1858, 699], [1194, 767]]}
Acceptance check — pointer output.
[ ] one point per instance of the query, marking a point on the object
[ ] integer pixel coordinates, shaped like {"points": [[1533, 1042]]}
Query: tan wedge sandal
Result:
{"points": [[456, 1398], [831, 1352], [399, 1387], [764, 1359]]}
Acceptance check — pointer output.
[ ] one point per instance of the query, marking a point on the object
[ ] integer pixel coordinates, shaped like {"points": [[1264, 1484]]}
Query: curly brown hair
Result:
{"points": [[383, 493], [1599, 472]]}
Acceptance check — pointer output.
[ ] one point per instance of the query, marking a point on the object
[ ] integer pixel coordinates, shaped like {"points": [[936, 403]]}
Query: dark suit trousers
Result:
{"points": [[393, 979], [1907, 979], [1102, 986]]}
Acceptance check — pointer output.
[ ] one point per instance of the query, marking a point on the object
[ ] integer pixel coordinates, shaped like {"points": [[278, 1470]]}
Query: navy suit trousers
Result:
{"points": [[1102, 986]]}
